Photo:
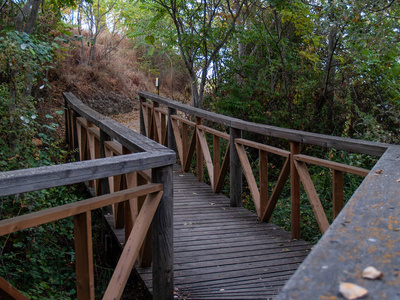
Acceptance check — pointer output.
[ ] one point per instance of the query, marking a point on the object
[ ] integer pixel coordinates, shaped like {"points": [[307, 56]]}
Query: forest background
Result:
{"points": [[330, 66]]}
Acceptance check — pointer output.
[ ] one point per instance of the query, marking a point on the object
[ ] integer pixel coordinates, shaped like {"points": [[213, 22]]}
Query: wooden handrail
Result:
{"points": [[346, 144], [332, 165], [68, 210]]}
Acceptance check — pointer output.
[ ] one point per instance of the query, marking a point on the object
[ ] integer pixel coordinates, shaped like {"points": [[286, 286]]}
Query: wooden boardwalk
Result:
{"points": [[224, 252]]}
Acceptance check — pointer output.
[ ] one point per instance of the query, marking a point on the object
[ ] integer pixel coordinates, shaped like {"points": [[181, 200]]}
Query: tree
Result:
{"points": [[202, 29]]}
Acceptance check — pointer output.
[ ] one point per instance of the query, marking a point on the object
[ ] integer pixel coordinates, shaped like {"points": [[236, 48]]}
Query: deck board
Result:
{"points": [[223, 252]]}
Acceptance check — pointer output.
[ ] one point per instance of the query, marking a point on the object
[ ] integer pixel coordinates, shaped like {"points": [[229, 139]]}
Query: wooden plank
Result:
{"points": [[216, 161], [351, 145], [199, 154], [294, 192], [280, 184], [127, 137], [178, 139], [365, 233], [223, 171], [332, 165], [162, 237], [170, 135], [113, 146], [183, 120], [84, 256], [56, 213], [132, 246], [189, 155], [312, 196], [21, 181], [266, 148], [8, 292], [263, 173], [248, 173], [214, 132], [207, 156], [235, 170], [337, 192]]}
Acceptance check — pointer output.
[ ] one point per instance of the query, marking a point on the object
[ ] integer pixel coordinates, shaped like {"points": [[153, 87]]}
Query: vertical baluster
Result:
{"points": [[185, 143], [294, 192], [199, 153], [216, 160], [142, 124], [337, 192], [263, 165], [171, 137], [104, 187], [75, 135], [235, 169]]}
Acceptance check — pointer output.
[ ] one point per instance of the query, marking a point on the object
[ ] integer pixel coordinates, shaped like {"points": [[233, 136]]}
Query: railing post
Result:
{"points": [[199, 153], [294, 192], [84, 256], [235, 169], [170, 135], [142, 126], [162, 237]]}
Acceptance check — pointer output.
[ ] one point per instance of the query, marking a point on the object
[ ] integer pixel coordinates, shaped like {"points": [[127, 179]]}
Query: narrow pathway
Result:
{"points": [[224, 252]]}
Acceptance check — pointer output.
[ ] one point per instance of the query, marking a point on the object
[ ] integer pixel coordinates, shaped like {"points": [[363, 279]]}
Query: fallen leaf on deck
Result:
{"points": [[372, 273], [286, 250], [379, 171], [352, 291], [398, 180]]}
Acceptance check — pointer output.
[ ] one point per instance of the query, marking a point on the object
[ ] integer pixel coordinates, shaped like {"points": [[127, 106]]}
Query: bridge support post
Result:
{"points": [[105, 188], [162, 237], [235, 169]]}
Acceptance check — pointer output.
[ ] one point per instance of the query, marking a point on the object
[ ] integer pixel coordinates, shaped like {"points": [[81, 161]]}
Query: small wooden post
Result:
{"points": [[235, 169], [142, 125], [199, 153], [84, 256], [337, 188], [294, 192], [170, 134], [162, 237], [153, 132], [157, 87]]}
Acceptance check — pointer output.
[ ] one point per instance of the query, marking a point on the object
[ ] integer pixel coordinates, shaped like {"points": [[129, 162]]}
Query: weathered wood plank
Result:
{"points": [[132, 247], [328, 141], [8, 292], [52, 214], [84, 255], [21, 181], [316, 205], [332, 165], [225, 245], [365, 233]]}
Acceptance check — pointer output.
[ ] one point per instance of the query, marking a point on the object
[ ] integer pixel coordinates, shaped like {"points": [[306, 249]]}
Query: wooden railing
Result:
{"points": [[365, 233], [127, 171], [162, 120]]}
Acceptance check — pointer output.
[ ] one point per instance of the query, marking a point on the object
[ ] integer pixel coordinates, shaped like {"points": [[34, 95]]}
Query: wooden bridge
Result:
{"points": [[188, 239]]}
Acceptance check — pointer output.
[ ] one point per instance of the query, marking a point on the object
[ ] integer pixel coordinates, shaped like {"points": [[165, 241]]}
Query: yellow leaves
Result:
{"points": [[309, 56]]}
